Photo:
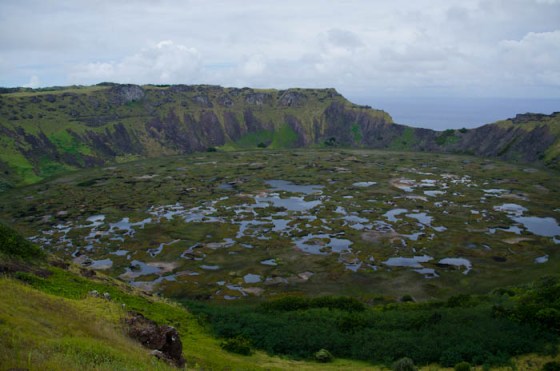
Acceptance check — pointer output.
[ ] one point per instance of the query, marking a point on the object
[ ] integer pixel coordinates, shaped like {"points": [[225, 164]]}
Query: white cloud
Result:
{"points": [[254, 65], [534, 59], [456, 47], [164, 62], [34, 82]]}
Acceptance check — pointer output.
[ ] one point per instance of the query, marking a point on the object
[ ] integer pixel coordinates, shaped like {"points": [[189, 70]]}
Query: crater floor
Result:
{"points": [[241, 225]]}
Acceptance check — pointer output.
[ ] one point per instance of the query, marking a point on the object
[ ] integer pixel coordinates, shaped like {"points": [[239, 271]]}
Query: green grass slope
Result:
{"points": [[49, 322]]}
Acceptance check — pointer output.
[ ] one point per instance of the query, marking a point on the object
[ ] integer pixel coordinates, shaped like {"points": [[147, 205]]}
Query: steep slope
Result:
{"points": [[526, 138], [48, 131], [50, 321]]}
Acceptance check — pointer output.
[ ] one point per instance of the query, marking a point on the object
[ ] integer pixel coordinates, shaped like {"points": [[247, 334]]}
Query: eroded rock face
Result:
{"points": [[292, 98], [123, 94], [164, 340], [258, 99]]}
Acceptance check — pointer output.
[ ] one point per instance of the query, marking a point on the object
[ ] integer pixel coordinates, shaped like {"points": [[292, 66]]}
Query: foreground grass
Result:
{"points": [[46, 332], [56, 326]]}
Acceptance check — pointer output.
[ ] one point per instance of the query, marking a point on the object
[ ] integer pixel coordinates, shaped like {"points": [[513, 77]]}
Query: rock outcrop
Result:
{"points": [[164, 341]]}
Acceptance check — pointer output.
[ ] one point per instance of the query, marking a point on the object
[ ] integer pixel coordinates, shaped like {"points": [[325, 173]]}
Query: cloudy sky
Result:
{"points": [[467, 48]]}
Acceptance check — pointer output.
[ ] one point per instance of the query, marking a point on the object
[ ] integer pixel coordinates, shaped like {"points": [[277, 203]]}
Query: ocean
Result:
{"points": [[456, 113]]}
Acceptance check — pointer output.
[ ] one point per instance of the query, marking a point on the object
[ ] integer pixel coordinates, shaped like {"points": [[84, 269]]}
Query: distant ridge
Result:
{"points": [[51, 130]]}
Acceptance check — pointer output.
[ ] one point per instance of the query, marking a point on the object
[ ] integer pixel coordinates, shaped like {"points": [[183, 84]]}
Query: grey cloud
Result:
{"points": [[493, 46]]}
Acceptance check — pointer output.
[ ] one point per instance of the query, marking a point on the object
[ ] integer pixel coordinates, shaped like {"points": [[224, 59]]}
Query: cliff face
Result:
{"points": [[45, 132]]}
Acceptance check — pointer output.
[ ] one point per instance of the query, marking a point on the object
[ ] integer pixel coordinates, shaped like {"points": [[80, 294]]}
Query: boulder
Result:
{"points": [[163, 340]]}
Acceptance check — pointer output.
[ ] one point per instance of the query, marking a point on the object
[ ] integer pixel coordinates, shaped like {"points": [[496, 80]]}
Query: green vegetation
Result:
{"points": [[237, 345], [42, 332], [462, 366], [251, 140], [404, 364], [284, 137], [434, 332], [356, 133], [52, 323], [13, 245], [323, 356], [49, 321], [405, 141], [447, 137]]}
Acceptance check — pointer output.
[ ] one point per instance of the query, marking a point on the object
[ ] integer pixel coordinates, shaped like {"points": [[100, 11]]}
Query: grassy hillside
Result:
{"points": [[48, 321]]}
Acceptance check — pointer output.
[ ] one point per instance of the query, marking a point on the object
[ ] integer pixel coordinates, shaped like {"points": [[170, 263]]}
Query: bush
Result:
{"points": [[404, 364], [549, 317], [237, 345], [407, 298], [323, 356], [331, 142], [13, 244], [292, 303], [462, 366], [551, 366]]}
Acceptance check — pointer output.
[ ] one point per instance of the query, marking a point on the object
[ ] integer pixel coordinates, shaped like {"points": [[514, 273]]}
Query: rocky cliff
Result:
{"points": [[48, 131]]}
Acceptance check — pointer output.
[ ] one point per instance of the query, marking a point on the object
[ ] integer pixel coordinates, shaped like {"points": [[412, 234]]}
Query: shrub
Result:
{"points": [[13, 244], [404, 364], [323, 356], [551, 366], [237, 345], [331, 142], [549, 317], [462, 366], [407, 298]]}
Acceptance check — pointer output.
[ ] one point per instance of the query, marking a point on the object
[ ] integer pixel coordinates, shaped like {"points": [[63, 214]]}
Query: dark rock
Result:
{"points": [[60, 264], [258, 99], [94, 293], [225, 100], [234, 129], [292, 98], [203, 101], [87, 272], [122, 94], [523, 118], [164, 340]]}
